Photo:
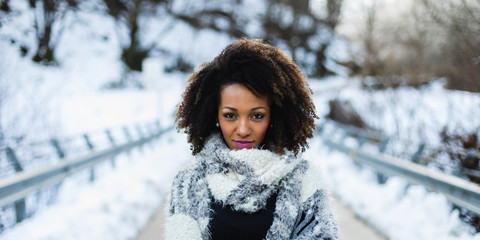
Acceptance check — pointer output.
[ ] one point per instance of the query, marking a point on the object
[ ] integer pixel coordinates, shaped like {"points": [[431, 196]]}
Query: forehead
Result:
{"points": [[237, 94]]}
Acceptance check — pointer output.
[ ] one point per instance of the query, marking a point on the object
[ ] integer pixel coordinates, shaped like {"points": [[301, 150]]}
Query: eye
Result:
{"points": [[258, 116], [229, 115]]}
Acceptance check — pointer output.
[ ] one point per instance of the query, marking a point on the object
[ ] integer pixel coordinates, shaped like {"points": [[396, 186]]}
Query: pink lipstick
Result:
{"points": [[243, 144]]}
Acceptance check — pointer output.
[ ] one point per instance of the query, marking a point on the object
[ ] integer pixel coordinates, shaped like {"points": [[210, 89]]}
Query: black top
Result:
{"points": [[227, 223]]}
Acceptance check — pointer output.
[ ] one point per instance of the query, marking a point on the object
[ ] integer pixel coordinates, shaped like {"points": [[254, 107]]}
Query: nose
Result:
{"points": [[243, 129]]}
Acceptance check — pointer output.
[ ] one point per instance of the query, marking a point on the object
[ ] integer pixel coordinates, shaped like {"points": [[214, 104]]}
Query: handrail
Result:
{"points": [[459, 191], [29, 144], [375, 136], [18, 186]]}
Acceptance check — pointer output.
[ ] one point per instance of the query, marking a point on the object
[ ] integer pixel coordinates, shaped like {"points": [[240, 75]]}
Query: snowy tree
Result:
{"points": [[4, 6], [294, 26], [49, 26], [461, 49], [128, 14]]}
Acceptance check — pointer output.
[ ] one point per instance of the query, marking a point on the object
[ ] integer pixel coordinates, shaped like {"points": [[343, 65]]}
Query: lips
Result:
{"points": [[243, 144]]}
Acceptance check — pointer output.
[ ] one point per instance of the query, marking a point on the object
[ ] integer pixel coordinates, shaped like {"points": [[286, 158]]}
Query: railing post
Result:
{"points": [[151, 131], [151, 128], [128, 136], [416, 156], [60, 153], [362, 138], [88, 142], [12, 158], [90, 146], [20, 204], [127, 133], [110, 137], [156, 129], [345, 135], [141, 134], [320, 128], [383, 145], [157, 124], [56, 145], [139, 131], [112, 141], [382, 178]]}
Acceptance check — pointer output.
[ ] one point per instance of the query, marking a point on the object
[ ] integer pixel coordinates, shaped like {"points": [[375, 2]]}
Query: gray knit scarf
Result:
{"points": [[245, 179]]}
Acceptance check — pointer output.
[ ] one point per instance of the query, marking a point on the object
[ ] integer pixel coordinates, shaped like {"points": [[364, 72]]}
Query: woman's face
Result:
{"points": [[243, 117]]}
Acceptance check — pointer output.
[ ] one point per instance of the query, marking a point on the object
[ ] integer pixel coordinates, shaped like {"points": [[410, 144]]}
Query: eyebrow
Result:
{"points": [[253, 109]]}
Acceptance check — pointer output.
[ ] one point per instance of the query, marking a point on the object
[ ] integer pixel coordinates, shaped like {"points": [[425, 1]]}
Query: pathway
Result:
{"points": [[350, 226]]}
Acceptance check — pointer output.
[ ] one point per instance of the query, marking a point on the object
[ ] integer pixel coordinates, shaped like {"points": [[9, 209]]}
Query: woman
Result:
{"points": [[248, 115]]}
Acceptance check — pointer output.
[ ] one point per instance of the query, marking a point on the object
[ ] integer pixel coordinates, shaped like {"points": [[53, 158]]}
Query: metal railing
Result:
{"points": [[459, 191], [16, 186]]}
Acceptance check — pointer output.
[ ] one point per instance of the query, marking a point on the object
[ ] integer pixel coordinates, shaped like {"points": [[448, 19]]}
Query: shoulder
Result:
{"points": [[187, 179], [316, 219], [312, 181], [189, 170], [187, 201]]}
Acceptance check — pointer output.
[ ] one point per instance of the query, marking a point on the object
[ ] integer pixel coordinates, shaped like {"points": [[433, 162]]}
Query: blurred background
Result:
{"points": [[389, 77]]}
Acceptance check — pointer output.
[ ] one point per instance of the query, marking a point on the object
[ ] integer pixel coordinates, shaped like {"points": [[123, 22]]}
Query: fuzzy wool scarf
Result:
{"points": [[245, 179]]}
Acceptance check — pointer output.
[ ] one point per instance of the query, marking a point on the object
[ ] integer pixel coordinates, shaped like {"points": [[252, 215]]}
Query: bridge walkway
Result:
{"points": [[350, 226]]}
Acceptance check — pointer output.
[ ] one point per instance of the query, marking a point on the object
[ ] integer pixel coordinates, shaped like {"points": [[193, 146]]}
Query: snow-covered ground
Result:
{"points": [[118, 205]]}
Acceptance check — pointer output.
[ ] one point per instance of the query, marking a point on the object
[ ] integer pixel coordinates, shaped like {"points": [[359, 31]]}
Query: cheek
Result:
{"points": [[266, 123], [262, 130], [225, 128]]}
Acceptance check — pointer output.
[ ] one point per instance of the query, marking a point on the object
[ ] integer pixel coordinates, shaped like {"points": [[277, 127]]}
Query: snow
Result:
{"points": [[452, 109], [117, 205], [70, 100], [396, 209]]}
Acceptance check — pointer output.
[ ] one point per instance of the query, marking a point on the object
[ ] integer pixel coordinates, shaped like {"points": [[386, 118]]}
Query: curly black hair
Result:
{"points": [[266, 71]]}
